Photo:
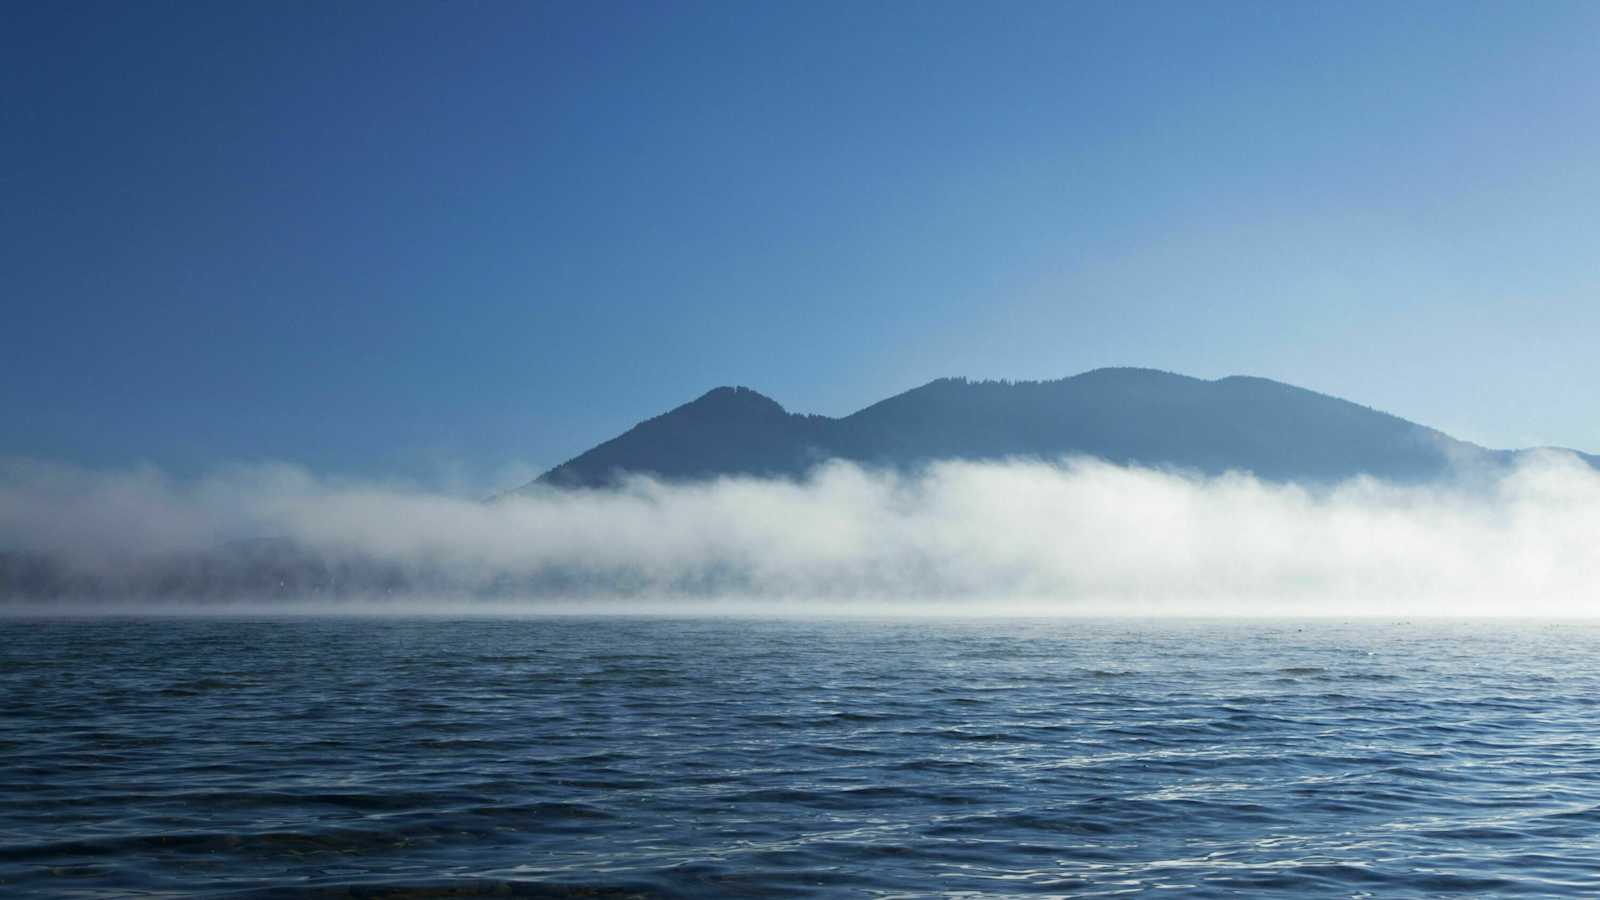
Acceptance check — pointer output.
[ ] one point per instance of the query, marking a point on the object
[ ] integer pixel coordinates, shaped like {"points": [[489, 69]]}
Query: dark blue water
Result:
{"points": [[566, 757]]}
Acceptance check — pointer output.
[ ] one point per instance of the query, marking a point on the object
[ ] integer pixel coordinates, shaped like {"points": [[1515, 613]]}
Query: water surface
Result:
{"points": [[657, 757]]}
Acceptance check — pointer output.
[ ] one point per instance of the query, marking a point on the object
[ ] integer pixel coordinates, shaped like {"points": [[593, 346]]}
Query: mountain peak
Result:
{"points": [[731, 403]]}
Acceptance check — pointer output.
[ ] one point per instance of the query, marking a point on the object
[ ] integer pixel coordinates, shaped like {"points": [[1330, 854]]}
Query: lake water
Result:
{"points": [[658, 757]]}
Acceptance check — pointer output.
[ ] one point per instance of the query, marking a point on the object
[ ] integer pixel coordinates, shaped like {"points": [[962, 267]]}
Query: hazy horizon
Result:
{"points": [[1077, 536]]}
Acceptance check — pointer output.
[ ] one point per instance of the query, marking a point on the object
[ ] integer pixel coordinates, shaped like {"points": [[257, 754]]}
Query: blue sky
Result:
{"points": [[421, 238]]}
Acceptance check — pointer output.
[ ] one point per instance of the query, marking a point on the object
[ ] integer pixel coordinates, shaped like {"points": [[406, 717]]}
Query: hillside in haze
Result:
{"points": [[1129, 416]]}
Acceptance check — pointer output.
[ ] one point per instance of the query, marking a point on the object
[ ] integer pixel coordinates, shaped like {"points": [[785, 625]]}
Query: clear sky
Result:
{"points": [[399, 238]]}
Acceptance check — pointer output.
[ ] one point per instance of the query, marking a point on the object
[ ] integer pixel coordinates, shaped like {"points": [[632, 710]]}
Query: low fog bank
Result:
{"points": [[1024, 537]]}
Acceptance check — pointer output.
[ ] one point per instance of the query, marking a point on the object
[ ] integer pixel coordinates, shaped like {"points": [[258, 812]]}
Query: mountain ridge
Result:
{"points": [[1126, 415]]}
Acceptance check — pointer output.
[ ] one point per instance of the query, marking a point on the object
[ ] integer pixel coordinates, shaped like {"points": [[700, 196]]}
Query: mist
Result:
{"points": [[1074, 536]]}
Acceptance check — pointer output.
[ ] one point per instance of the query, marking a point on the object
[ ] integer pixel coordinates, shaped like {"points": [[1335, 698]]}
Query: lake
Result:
{"points": [[613, 756]]}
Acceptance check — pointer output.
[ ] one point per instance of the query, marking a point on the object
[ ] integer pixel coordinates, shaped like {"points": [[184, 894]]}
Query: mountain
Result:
{"points": [[1124, 415]]}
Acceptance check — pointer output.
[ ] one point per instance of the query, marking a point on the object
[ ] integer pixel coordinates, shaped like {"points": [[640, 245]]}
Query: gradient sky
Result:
{"points": [[443, 240]]}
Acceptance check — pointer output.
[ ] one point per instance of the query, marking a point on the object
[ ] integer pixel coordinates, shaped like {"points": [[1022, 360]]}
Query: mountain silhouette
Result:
{"points": [[1124, 415]]}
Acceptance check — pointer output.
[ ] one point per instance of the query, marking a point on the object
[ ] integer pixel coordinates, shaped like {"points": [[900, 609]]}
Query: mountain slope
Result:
{"points": [[1143, 416]]}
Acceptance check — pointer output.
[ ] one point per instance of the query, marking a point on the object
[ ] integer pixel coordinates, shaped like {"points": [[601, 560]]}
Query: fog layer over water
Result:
{"points": [[1074, 535]]}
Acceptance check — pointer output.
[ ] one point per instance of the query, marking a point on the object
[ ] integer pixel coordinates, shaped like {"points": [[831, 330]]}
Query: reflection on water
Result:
{"points": [[601, 757]]}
